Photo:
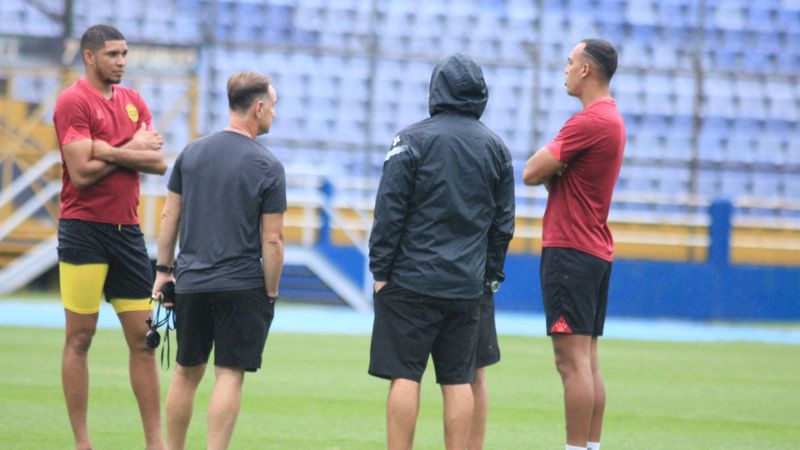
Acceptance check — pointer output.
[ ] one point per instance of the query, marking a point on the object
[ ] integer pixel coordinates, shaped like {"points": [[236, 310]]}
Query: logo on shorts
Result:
{"points": [[133, 113], [561, 326]]}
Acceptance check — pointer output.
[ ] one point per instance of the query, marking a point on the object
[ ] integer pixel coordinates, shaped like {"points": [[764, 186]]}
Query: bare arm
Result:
{"points": [[142, 152], [541, 167], [272, 250], [167, 237], [83, 170], [147, 161]]}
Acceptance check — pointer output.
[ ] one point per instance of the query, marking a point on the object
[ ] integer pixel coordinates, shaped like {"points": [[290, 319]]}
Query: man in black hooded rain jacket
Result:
{"points": [[444, 216]]}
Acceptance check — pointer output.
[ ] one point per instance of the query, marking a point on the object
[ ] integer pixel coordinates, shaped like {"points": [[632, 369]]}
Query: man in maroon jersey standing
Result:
{"points": [[580, 168], [106, 139]]}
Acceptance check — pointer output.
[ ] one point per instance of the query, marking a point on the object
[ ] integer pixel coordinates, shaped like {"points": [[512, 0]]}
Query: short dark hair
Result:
{"points": [[96, 36], [244, 88], [603, 54]]}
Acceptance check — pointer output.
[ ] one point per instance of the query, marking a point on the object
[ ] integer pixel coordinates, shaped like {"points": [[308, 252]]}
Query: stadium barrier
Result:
{"points": [[705, 264], [706, 285]]}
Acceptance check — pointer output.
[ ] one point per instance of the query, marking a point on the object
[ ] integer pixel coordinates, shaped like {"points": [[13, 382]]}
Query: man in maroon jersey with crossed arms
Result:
{"points": [[106, 136], [580, 168]]}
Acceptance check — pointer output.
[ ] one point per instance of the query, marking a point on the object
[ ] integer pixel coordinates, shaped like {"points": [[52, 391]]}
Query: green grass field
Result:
{"points": [[313, 393]]}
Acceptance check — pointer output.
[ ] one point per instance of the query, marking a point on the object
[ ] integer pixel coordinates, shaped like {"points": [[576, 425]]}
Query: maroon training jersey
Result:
{"points": [[81, 112], [591, 143]]}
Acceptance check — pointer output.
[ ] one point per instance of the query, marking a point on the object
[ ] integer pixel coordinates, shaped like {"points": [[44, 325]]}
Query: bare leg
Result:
{"points": [[75, 373], [480, 392], [223, 409], [458, 407], [599, 396], [573, 361], [144, 377], [180, 403], [402, 408]]}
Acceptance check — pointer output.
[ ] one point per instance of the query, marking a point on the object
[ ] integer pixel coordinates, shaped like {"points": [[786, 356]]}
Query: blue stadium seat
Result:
{"points": [[551, 127], [758, 62], [727, 16], [680, 126], [626, 81], [736, 183], [683, 84], [641, 12], [642, 179], [709, 183], [318, 54], [678, 147], [767, 41], [750, 98], [645, 146], [711, 148], [674, 180], [718, 96], [788, 19], [13, 17], [739, 149], [791, 183], [759, 18], [782, 102], [612, 12], [635, 54], [747, 126], [674, 14], [659, 98], [771, 149]]}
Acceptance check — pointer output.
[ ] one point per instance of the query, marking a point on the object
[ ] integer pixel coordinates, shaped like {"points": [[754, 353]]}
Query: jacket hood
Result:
{"points": [[457, 86]]}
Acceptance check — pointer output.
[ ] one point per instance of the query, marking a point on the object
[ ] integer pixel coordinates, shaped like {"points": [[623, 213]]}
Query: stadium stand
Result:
{"points": [[709, 90]]}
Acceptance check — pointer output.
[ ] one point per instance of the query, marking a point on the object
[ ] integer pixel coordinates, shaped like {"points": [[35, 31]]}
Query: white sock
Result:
{"points": [[572, 447], [592, 446]]}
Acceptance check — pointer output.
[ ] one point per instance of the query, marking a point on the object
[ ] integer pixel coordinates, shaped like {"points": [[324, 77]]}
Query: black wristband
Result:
{"points": [[164, 269], [272, 299]]}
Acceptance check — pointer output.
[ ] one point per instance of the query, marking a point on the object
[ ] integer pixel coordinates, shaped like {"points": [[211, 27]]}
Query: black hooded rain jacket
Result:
{"points": [[444, 213]]}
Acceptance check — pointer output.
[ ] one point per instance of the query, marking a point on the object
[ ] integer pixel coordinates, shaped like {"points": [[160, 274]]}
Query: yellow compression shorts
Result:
{"points": [[82, 288]]}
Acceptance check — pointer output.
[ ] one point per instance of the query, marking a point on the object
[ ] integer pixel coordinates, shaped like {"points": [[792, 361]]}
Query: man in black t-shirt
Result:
{"points": [[227, 196]]}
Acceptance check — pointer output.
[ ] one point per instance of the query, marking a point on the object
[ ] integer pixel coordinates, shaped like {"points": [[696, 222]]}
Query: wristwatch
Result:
{"points": [[493, 285], [164, 269]]}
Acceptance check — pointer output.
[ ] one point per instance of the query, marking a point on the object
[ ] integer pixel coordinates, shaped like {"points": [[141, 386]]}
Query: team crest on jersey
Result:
{"points": [[133, 113]]}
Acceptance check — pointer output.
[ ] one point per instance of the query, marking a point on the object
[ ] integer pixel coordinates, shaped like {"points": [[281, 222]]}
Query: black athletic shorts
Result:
{"points": [[574, 291], [410, 327], [488, 352], [235, 323], [122, 247]]}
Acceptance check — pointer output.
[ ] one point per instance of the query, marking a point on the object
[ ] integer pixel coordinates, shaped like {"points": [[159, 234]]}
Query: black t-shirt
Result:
{"points": [[226, 182]]}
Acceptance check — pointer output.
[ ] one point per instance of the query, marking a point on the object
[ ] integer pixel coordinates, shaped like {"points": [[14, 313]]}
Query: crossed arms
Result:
{"points": [[541, 167], [89, 161]]}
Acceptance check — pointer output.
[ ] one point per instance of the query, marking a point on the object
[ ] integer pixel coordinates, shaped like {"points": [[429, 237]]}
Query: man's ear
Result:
{"points": [[88, 57], [259, 108]]}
